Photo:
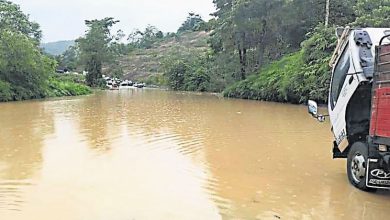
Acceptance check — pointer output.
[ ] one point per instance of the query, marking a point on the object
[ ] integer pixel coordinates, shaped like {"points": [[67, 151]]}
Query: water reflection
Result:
{"points": [[24, 127], [149, 154], [97, 120]]}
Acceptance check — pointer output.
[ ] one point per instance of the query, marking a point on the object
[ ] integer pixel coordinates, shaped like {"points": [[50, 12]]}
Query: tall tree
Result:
{"points": [[327, 13], [23, 66], [24, 70], [94, 48], [13, 19]]}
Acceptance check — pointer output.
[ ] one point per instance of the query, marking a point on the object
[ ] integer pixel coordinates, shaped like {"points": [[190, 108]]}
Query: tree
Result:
{"points": [[373, 13], [327, 13], [117, 46], [257, 32], [23, 67], [249, 29], [94, 48], [176, 73], [69, 60], [197, 80], [145, 39], [193, 22], [13, 19], [24, 70]]}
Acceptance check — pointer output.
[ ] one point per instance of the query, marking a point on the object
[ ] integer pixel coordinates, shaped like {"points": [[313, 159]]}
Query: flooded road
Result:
{"points": [[149, 154]]}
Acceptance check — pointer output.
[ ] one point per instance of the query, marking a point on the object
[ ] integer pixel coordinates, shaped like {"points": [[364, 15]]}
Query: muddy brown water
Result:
{"points": [[150, 154]]}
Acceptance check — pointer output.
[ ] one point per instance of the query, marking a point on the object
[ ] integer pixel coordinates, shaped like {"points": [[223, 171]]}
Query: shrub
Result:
{"points": [[65, 88], [5, 92]]}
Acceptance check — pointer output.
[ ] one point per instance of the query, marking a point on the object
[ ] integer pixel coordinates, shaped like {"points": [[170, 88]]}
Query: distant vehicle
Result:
{"points": [[359, 105], [126, 85], [60, 71], [139, 85], [109, 84], [112, 85]]}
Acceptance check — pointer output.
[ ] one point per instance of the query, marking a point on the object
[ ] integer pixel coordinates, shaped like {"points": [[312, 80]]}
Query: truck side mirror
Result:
{"points": [[313, 108]]}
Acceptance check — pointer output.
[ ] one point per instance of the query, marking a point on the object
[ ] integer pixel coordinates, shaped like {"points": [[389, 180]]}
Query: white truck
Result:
{"points": [[359, 105]]}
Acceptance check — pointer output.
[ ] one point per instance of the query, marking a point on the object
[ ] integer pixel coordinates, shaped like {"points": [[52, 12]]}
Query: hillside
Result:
{"points": [[57, 48], [143, 63]]}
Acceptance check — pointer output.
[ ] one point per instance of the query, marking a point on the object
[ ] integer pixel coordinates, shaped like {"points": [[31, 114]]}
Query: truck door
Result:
{"points": [[343, 85]]}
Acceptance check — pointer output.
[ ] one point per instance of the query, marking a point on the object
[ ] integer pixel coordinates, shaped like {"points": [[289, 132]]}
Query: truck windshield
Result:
{"points": [[339, 75]]}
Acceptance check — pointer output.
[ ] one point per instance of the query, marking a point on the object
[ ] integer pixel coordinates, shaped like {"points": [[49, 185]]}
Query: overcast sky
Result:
{"points": [[64, 19]]}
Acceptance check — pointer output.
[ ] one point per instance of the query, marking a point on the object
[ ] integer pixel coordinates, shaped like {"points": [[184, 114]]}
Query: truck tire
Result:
{"points": [[356, 166]]}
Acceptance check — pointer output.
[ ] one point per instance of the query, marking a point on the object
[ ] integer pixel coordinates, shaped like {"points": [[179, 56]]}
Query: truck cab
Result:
{"points": [[359, 105]]}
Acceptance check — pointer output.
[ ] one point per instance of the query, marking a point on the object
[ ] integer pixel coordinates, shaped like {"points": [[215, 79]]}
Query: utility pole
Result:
{"points": [[327, 13]]}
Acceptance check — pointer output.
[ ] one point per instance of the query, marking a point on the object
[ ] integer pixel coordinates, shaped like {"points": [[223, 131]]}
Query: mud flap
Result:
{"points": [[376, 176]]}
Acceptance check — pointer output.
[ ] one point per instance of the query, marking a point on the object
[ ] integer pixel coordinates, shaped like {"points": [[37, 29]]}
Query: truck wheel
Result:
{"points": [[356, 165]]}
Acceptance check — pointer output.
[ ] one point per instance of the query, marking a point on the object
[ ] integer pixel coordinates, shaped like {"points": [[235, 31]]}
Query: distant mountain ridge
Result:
{"points": [[58, 47]]}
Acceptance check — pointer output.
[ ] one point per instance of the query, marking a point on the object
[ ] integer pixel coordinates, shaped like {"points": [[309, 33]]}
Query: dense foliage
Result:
{"points": [[372, 13], [276, 50], [188, 74], [306, 74], [256, 32], [296, 77], [13, 19], [22, 66], [67, 85], [248, 35], [26, 73]]}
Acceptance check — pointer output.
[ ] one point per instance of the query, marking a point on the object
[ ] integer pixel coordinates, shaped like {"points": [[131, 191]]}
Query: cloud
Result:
{"points": [[64, 19]]}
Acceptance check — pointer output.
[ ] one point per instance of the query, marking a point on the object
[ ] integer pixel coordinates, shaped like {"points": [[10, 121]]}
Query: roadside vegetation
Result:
{"points": [[67, 85], [25, 72], [274, 50], [305, 74], [256, 53], [296, 77]]}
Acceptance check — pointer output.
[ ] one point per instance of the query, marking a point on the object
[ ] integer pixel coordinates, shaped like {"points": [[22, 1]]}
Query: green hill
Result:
{"points": [[57, 48]]}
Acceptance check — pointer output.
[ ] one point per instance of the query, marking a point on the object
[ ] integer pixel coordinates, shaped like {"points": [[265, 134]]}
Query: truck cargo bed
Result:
{"points": [[380, 116], [381, 113]]}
